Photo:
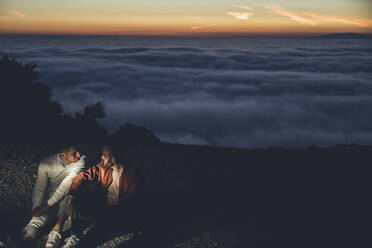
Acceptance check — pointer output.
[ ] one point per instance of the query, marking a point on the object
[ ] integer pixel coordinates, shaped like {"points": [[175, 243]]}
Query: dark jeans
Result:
{"points": [[110, 222]]}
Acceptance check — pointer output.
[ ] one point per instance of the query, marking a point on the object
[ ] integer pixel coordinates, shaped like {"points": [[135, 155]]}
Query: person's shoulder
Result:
{"points": [[132, 172], [49, 160], [80, 162]]}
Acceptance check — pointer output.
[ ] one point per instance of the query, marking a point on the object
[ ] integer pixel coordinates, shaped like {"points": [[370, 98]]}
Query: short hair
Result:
{"points": [[66, 147], [117, 151]]}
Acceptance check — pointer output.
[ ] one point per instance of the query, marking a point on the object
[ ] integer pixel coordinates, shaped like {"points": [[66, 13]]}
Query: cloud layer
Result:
{"points": [[241, 15], [17, 13], [314, 19], [244, 92]]}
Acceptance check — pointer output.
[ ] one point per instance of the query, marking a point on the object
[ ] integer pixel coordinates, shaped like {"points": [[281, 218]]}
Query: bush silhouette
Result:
{"points": [[29, 115], [83, 126]]}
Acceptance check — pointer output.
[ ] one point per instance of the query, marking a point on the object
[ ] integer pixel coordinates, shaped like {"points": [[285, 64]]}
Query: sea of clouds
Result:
{"points": [[249, 92]]}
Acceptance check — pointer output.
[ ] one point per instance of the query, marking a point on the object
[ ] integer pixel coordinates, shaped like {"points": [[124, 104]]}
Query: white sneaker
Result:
{"points": [[71, 242], [54, 238]]}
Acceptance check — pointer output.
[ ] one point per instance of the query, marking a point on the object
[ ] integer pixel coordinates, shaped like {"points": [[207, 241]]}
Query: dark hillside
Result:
{"points": [[243, 198]]}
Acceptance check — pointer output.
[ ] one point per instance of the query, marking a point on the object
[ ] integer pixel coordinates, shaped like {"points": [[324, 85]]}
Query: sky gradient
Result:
{"points": [[165, 17]]}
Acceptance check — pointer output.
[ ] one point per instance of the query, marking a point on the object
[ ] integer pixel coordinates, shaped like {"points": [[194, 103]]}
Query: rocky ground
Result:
{"points": [[215, 197], [18, 170]]}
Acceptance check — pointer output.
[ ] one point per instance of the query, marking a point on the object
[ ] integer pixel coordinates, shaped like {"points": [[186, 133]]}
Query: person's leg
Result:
{"points": [[60, 221], [125, 223], [102, 231], [55, 236], [76, 238], [32, 230], [84, 219], [28, 234], [61, 215]]}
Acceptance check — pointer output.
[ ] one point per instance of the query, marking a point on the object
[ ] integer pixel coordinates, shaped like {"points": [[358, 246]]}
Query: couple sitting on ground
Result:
{"points": [[101, 196]]}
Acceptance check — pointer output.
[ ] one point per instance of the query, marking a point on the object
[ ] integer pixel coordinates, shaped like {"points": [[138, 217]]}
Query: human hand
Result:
{"points": [[40, 210]]}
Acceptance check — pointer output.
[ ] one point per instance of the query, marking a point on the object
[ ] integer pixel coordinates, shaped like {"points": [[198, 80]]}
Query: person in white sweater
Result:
{"points": [[55, 174]]}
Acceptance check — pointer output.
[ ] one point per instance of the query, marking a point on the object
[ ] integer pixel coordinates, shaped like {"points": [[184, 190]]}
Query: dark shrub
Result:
{"points": [[29, 115]]}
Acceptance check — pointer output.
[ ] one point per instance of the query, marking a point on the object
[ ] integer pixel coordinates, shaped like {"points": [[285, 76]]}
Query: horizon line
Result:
{"points": [[206, 34]]}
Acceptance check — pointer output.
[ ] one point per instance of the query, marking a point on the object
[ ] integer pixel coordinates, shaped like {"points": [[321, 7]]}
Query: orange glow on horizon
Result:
{"points": [[234, 19]]}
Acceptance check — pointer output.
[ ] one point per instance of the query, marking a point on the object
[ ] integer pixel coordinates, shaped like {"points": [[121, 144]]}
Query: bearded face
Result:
{"points": [[71, 156], [106, 159]]}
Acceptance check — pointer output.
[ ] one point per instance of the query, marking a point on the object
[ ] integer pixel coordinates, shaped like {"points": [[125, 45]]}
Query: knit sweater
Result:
{"points": [[57, 177]]}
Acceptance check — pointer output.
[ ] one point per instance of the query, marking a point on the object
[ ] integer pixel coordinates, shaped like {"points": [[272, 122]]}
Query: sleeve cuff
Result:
{"points": [[50, 203]]}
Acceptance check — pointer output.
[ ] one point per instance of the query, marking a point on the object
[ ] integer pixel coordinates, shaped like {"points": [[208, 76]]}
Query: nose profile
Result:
{"points": [[78, 154]]}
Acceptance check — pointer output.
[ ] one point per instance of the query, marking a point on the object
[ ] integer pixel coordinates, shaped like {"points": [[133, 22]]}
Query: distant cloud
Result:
{"points": [[196, 28], [364, 23], [240, 15], [314, 19], [243, 7], [292, 15], [203, 27], [18, 14], [199, 27]]}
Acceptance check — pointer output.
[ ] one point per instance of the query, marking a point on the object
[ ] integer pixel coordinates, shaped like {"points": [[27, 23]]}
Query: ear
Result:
{"points": [[62, 155]]}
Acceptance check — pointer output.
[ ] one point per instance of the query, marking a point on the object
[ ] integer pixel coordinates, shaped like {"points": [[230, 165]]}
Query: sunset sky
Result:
{"points": [[166, 17]]}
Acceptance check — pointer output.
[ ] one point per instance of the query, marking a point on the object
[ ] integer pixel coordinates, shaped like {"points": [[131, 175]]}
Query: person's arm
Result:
{"points": [[88, 175], [40, 186], [64, 186], [131, 186]]}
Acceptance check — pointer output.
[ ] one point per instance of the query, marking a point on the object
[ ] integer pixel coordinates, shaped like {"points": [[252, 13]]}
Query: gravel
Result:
{"points": [[18, 170]]}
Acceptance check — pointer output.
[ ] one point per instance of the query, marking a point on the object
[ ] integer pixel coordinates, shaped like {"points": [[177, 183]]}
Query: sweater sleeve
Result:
{"points": [[40, 185], [64, 186]]}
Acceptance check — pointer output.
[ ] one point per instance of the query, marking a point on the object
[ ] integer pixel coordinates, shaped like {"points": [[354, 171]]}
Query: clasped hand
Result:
{"points": [[40, 210]]}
